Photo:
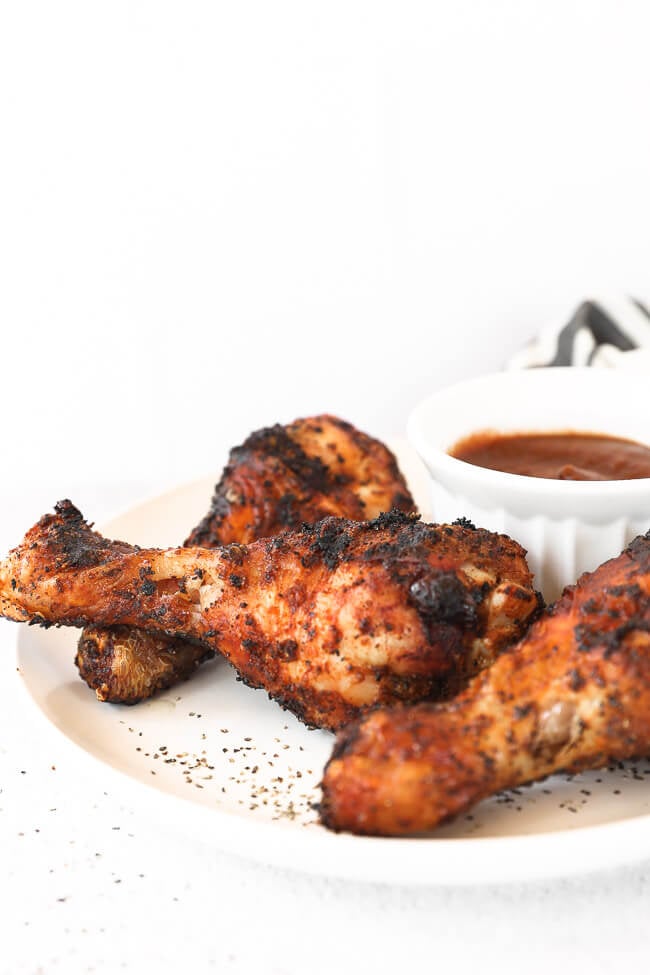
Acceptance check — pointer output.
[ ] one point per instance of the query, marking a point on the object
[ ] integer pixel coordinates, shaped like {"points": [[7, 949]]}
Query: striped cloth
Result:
{"points": [[614, 333]]}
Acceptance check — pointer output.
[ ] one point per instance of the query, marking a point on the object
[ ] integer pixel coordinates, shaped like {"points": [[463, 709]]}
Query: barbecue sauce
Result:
{"points": [[563, 456]]}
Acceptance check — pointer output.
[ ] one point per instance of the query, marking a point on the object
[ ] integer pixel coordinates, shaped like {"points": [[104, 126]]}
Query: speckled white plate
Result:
{"points": [[222, 760]]}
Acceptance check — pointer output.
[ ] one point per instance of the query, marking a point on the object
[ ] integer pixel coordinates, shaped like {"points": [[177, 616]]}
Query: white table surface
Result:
{"points": [[92, 884]]}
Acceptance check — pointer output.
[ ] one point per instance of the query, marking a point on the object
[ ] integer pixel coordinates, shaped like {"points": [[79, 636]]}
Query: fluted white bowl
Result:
{"points": [[568, 527]]}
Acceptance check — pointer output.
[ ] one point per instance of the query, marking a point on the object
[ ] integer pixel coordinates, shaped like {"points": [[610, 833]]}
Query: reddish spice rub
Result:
{"points": [[563, 455], [277, 479], [574, 694], [331, 619]]}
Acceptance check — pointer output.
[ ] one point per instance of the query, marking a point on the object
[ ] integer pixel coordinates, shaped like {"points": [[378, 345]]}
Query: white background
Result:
{"points": [[215, 216]]}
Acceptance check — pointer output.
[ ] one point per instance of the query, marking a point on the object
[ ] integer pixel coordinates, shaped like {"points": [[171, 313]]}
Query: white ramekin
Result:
{"points": [[568, 527]]}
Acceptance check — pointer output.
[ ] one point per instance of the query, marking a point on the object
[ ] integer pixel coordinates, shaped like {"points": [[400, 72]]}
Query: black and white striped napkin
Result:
{"points": [[614, 332]]}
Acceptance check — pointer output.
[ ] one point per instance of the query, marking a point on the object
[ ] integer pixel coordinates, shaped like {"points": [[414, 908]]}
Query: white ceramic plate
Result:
{"points": [[216, 758]]}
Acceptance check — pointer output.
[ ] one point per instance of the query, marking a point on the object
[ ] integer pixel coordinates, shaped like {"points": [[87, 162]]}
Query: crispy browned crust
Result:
{"points": [[332, 619], [278, 478], [126, 665], [283, 477], [572, 695]]}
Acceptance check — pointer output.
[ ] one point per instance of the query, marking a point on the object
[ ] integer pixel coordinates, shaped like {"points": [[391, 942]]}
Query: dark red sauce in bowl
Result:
{"points": [[562, 455]]}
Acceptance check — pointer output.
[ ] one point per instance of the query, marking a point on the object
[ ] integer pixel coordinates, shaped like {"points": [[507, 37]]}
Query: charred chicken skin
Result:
{"points": [[279, 478], [332, 619], [284, 477], [572, 695]]}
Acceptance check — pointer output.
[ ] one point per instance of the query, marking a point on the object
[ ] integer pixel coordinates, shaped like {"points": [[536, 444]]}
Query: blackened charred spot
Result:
{"points": [[332, 642], [68, 512], [331, 542], [444, 598], [631, 589], [391, 520], [288, 510], [285, 650], [465, 523], [90, 648], [386, 552], [275, 441], [639, 550], [443, 649], [340, 479], [237, 581], [126, 594], [590, 637], [403, 502], [13, 583], [148, 588], [408, 538], [259, 652], [40, 621], [487, 759], [587, 638], [72, 541], [576, 680], [521, 711], [523, 595], [234, 553]]}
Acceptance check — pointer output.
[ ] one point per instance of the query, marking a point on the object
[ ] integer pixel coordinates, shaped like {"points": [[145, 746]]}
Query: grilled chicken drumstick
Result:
{"points": [[278, 478], [572, 695], [331, 619], [283, 477]]}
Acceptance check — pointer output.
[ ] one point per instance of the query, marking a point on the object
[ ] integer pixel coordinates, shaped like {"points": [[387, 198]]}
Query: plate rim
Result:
{"points": [[385, 860]]}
